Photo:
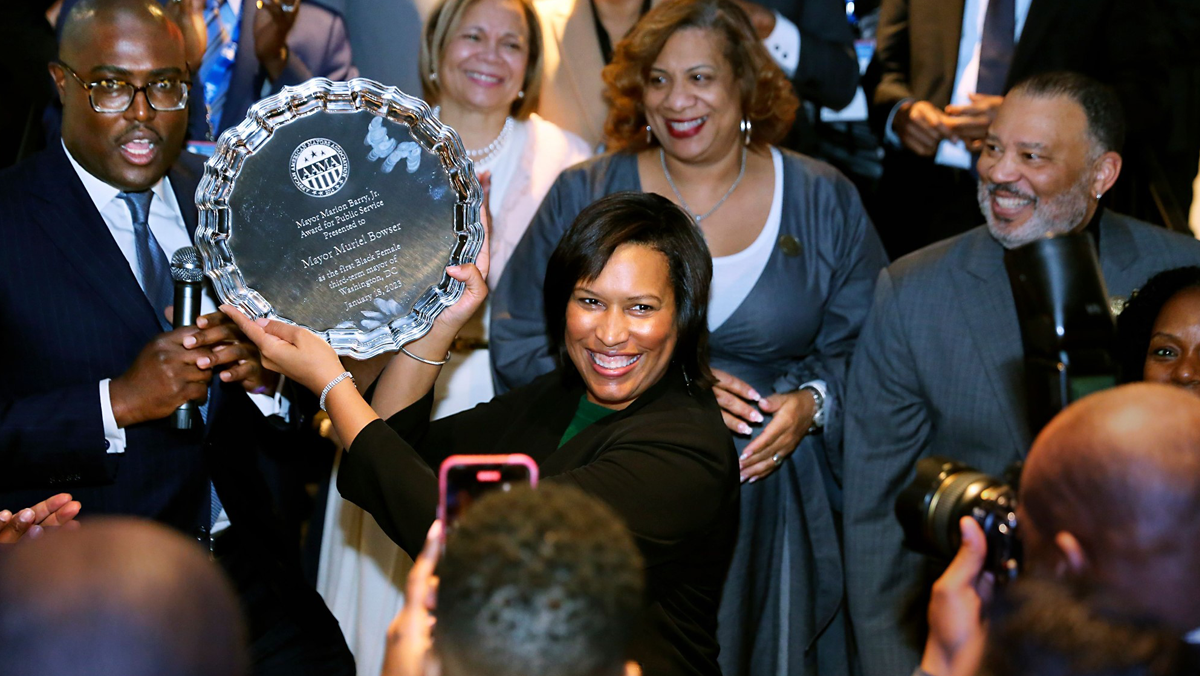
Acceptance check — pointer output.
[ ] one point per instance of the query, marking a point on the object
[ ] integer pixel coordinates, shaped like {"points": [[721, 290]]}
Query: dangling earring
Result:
{"points": [[649, 136], [746, 128], [520, 94]]}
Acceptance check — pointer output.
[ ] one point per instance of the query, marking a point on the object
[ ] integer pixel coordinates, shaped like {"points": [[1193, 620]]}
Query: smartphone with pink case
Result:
{"points": [[464, 478]]}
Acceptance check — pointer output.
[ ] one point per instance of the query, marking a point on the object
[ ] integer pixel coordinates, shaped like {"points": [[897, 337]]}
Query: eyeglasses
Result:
{"points": [[111, 95]]}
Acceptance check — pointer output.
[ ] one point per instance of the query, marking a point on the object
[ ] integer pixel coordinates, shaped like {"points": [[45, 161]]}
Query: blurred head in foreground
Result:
{"points": [[1110, 498], [118, 596]]}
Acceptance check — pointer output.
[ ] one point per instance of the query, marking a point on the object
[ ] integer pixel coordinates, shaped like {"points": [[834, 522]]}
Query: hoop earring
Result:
{"points": [[747, 129], [649, 136]]}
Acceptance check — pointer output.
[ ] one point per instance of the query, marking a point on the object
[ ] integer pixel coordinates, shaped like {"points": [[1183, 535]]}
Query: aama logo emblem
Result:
{"points": [[319, 167]]}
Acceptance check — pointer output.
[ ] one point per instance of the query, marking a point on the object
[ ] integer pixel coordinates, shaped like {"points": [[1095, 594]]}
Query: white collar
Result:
{"points": [[102, 193]]}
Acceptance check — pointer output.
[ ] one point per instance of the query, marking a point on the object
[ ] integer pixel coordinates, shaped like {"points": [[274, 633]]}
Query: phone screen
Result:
{"points": [[466, 478]]}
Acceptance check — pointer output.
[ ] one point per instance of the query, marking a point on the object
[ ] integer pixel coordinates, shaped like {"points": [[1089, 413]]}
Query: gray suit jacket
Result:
{"points": [[938, 370]]}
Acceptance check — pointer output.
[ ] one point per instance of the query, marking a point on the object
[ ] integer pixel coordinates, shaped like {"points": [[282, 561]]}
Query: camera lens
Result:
{"points": [[943, 492]]}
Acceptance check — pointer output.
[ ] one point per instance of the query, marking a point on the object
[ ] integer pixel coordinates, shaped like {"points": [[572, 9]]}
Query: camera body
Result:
{"points": [[943, 492]]}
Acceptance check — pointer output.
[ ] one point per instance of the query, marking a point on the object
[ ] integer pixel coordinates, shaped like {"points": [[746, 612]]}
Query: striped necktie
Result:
{"points": [[216, 69], [154, 271]]}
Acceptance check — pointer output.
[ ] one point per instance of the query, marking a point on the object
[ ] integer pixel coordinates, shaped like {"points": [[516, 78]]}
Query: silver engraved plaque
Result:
{"points": [[337, 206]]}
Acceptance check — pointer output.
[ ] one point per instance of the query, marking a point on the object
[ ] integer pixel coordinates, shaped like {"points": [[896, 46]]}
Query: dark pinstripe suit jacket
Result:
{"points": [[939, 370], [72, 314]]}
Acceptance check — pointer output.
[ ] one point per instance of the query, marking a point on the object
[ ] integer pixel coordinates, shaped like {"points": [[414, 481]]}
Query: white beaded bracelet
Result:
{"points": [[332, 383]]}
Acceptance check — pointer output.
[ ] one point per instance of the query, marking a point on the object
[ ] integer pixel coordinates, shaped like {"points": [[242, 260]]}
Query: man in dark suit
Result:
{"points": [[90, 369], [939, 365], [943, 67]]}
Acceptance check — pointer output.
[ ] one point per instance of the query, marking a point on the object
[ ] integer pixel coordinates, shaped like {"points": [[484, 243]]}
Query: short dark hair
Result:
{"points": [[1136, 321], [544, 582], [1105, 115], [1043, 628], [653, 221]]}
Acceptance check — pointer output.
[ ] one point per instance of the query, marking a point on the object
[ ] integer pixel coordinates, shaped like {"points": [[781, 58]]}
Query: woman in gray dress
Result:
{"points": [[697, 104]]}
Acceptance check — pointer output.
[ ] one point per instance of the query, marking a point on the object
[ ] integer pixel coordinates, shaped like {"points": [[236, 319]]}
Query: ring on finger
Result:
{"points": [[777, 459]]}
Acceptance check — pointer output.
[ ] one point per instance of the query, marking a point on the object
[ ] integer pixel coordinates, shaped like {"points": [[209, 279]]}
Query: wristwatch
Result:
{"points": [[820, 394]]}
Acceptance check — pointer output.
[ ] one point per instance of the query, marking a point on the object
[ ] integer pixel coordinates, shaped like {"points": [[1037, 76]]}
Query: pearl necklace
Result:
{"points": [[662, 159], [484, 154]]}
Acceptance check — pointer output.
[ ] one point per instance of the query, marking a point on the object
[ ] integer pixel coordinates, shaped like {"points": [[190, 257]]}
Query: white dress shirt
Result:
{"points": [[784, 45]]}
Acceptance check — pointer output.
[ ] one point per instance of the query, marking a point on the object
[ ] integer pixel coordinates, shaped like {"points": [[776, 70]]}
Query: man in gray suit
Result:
{"points": [[938, 369]]}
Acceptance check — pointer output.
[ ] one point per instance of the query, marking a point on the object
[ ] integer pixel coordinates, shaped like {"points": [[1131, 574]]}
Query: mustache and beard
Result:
{"points": [[1052, 216]]}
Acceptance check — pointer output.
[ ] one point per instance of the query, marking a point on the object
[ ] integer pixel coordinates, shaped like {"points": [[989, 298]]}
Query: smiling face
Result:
{"points": [[1174, 354], [1037, 176], [691, 98], [134, 149], [484, 61], [620, 327]]}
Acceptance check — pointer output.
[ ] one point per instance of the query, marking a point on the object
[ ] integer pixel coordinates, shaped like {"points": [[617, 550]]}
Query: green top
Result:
{"points": [[585, 414]]}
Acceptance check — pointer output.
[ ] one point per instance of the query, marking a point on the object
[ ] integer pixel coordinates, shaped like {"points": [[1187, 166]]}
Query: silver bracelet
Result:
{"points": [[332, 383], [818, 419], [424, 360]]}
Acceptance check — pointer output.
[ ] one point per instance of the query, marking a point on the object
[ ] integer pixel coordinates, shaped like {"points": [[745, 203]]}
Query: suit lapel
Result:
{"points": [[70, 220], [541, 426], [184, 181], [1118, 249], [985, 299], [1037, 23]]}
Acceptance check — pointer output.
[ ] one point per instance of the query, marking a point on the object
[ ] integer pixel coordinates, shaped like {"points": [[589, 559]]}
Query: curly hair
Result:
{"points": [[437, 32], [1136, 322], [766, 95], [542, 582]]}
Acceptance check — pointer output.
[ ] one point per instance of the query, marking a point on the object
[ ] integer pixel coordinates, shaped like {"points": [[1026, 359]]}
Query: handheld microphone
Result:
{"points": [[188, 273]]}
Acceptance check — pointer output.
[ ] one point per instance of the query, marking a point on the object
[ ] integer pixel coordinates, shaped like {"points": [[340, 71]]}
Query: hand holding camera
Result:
{"points": [[956, 605]]}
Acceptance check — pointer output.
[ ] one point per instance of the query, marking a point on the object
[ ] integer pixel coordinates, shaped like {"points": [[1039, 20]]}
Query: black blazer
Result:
{"points": [[71, 314], [666, 464]]}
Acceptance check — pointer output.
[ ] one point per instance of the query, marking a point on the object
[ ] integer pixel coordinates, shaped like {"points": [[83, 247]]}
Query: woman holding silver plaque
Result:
{"points": [[696, 106], [629, 416]]}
